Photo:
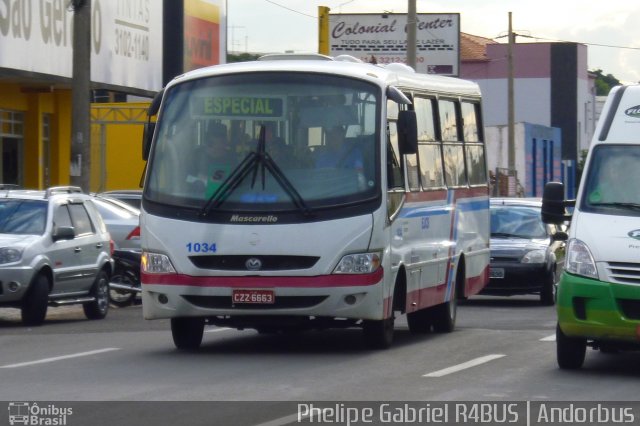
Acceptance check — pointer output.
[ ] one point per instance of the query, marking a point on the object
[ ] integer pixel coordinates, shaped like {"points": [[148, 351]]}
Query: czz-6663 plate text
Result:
{"points": [[253, 296]]}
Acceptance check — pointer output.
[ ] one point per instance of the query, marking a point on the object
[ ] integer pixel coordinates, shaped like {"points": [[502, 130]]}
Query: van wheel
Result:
{"points": [[34, 304], [420, 321], [100, 291], [378, 334], [187, 332], [570, 351]]}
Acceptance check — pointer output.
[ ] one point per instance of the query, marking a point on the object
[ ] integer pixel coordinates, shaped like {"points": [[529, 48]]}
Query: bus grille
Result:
{"points": [[281, 302], [623, 273], [239, 262]]}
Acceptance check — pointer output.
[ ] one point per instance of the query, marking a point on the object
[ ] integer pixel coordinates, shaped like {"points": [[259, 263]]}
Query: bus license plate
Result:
{"points": [[496, 273], [253, 296]]}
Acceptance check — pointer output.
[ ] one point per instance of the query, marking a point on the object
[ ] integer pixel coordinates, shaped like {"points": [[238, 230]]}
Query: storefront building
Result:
{"points": [[127, 59]]}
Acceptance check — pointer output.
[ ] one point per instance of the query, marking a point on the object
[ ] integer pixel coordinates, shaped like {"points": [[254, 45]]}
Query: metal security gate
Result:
{"points": [[101, 118]]}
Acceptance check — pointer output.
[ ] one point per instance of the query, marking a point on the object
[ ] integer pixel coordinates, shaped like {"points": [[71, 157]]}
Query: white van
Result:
{"points": [[598, 297]]}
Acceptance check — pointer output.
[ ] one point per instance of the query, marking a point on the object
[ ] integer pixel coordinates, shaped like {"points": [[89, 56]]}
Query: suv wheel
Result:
{"points": [[100, 291], [34, 304]]}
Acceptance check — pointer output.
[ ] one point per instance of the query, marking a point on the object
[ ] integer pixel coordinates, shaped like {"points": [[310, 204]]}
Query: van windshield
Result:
{"points": [[266, 142], [612, 182]]}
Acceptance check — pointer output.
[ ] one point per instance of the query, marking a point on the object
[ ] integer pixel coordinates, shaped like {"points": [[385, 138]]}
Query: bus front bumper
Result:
{"points": [[166, 300]]}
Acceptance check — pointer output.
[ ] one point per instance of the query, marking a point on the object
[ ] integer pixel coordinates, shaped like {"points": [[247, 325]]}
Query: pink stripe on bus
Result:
{"points": [[336, 280]]}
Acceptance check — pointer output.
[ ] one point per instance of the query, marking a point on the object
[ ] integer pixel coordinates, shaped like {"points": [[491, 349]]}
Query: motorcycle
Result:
{"points": [[124, 286]]}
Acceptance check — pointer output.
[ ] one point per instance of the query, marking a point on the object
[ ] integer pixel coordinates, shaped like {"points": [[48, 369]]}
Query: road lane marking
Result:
{"points": [[215, 330], [464, 365], [284, 420], [59, 358], [551, 338], [294, 418]]}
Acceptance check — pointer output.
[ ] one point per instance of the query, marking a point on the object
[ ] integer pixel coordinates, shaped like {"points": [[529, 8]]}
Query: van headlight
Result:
{"points": [[359, 263], [155, 263], [579, 260], [10, 255]]}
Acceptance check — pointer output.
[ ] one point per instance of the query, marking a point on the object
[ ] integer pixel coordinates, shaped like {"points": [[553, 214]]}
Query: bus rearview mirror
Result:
{"points": [[407, 132]]}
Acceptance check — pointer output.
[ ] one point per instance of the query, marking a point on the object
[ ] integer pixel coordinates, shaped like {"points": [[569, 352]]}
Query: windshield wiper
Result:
{"points": [[255, 162], [632, 206]]}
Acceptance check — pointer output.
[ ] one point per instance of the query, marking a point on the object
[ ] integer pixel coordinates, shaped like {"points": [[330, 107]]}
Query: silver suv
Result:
{"points": [[54, 250]]}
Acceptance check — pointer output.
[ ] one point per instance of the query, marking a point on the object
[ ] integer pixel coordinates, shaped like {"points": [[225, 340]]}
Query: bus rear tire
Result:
{"points": [[187, 332], [444, 315], [420, 321], [378, 334]]}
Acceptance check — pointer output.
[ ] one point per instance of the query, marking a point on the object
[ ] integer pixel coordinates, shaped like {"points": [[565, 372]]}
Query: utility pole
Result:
{"points": [[323, 30], [510, 96], [233, 38], [80, 172], [411, 34]]}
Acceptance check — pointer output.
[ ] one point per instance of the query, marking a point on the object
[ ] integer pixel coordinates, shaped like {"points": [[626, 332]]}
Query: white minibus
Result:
{"points": [[598, 297], [292, 194]]}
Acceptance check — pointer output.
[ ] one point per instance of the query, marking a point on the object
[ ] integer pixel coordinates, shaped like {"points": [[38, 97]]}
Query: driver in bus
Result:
{"points": [[213, 161], [338, 153]]}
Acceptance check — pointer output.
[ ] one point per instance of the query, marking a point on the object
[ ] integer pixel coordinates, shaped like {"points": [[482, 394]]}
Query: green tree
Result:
{"points": [[242, 57], [604, 83]]}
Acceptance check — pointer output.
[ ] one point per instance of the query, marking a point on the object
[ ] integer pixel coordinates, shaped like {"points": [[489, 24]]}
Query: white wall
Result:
{"points": [[497, 143], [532, 98]]}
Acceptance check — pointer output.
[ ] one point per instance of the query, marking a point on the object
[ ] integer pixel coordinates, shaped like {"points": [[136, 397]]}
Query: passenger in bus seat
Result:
{"points": [[338, 153], [280, 152]]}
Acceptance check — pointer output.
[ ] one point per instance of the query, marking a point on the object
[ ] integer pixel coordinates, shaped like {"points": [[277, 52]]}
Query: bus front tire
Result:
{"points": [[378, 334], [570, 351], [187, 332]]}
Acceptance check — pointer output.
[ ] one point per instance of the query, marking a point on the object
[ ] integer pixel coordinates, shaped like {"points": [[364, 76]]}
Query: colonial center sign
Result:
{"points": [[383, 39]]}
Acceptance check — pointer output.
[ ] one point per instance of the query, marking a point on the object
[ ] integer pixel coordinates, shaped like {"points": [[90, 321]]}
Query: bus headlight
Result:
{"points": [[360, 263], [579, 260], [155, 263]]}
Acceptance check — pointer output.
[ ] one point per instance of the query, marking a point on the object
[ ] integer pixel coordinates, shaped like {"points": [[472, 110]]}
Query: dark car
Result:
{"points": [[527, 255]]}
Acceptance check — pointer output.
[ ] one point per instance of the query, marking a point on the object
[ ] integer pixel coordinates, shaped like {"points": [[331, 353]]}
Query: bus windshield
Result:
{"points": [[266, 142]]}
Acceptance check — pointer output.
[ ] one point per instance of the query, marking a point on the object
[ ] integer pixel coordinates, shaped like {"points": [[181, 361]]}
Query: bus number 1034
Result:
{"points": [[201, 247]]}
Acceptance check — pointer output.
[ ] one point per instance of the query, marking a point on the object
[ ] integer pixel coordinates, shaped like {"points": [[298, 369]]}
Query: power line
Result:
{"points": [[291, 10], [566, 41]]}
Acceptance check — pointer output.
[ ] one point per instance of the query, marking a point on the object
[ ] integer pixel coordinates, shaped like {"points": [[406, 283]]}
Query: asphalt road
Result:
{"points": [[503, 349]]}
